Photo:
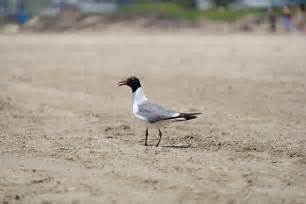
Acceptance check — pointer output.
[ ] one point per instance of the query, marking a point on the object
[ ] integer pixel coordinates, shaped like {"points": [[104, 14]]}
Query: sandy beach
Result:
{"points": [[67, 133]]}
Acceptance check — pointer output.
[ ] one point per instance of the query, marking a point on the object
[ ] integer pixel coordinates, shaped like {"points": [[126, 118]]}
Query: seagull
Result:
{"points": [[152, 114]]}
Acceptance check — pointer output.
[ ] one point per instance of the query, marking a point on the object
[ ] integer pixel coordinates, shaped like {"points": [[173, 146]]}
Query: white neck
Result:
{"points": [[139, 96]]}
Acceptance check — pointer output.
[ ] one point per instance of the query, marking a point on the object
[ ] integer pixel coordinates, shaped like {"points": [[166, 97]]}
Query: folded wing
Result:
{"points": [[154, 113]]}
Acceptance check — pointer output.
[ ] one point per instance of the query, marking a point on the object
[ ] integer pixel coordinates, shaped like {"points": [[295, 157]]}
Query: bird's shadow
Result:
{"points": [[172, 146], [177, 146]]}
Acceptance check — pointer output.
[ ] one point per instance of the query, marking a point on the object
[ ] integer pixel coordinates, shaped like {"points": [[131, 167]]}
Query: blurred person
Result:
{"points": [[287, 18], [300, 17], [272, 19], [21, 15]]}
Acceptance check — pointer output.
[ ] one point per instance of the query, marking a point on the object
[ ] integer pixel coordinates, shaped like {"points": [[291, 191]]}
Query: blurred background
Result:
{"points": [[67, 133], [202, 15]]}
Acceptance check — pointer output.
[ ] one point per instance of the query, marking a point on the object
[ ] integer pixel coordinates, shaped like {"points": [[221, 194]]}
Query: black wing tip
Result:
{"points": [[183, 117], [189, 116]]}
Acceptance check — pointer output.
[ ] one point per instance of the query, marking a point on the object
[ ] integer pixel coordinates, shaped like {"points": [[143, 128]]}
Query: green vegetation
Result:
{"points": [[229, 14], [166, 9], [183, 13], [222, 3]]}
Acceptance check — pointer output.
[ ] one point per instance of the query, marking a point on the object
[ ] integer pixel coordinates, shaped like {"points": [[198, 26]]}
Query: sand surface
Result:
{"points": [[67, 134]]}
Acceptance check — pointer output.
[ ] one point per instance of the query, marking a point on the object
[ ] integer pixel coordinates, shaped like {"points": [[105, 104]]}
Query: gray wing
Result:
{"points": [[154, 112]]}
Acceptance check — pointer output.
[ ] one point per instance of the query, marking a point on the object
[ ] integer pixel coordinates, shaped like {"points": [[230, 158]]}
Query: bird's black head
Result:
{"points": [[132, 82]]}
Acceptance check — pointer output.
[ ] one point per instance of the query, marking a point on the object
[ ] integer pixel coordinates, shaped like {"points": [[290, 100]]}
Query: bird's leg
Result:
{"points": [[160, 135], [146, 140]]}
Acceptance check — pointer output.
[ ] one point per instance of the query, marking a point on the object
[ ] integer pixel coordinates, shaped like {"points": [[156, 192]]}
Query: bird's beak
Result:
{"points": [[121, 83]]}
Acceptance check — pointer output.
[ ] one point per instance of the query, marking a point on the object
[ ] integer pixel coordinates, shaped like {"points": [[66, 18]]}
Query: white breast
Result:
{"points": [[138, 98]]}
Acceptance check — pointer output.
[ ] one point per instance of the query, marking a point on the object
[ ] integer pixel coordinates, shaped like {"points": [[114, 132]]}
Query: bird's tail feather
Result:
{"points": [[189, 116], [183, 117]]}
